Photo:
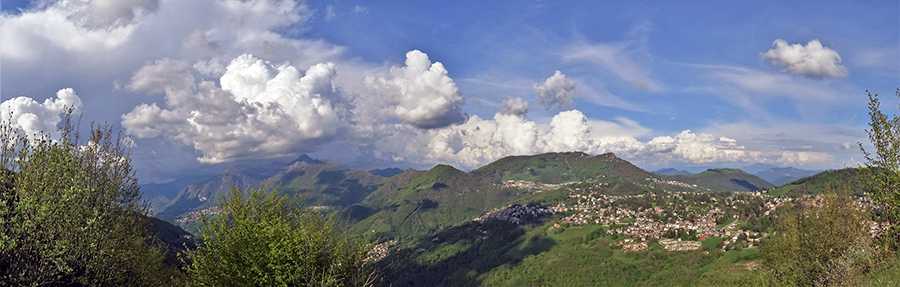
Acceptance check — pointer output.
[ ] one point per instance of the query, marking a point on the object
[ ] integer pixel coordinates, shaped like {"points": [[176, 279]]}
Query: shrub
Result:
{"points": [[263, 239]]}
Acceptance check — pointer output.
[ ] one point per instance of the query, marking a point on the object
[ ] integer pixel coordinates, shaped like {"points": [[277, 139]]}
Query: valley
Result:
{"points": [[494, 224]]}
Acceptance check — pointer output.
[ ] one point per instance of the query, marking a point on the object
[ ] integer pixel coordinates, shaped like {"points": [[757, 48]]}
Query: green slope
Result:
{"points": [[417, 203], [729, 179], [536, 254]]}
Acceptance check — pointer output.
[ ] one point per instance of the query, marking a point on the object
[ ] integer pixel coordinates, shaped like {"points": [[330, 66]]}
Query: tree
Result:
{"points": [[263, 239], [818, 245], [72, 214], [881, 175]]}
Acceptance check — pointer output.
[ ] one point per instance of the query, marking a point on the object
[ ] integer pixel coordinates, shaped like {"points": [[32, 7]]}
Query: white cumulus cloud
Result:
{"points": [[812, 60], [556, 92], [421, 93], [32, 118], [261, 110], [480, 141]]}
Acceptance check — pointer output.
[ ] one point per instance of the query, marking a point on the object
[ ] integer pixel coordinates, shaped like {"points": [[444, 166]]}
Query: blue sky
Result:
{"points": [[689, 84]]}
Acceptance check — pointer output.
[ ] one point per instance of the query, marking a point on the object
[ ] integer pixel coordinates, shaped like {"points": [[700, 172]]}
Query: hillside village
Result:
{"points": [[667, 216]]}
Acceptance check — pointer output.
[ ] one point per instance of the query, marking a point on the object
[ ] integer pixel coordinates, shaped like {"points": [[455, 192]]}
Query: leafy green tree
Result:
{"points": [[262, 239], [72, 214], [881, 175], [818, 245]]}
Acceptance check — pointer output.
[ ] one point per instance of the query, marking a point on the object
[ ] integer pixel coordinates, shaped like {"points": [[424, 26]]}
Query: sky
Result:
{"points": [[201, 85]]}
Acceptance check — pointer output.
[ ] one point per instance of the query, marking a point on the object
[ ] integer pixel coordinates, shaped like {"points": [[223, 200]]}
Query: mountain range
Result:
{"points": [[321, 183], [436, 218], [771, 173], [420, 201]]}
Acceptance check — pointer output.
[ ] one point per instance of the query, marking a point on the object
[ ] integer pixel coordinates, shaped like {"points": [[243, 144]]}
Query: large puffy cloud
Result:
{"points": [[32, 118], [95, 42], [69, 26], [421, 93], [812, 60], [556, 92], [261, 110]]}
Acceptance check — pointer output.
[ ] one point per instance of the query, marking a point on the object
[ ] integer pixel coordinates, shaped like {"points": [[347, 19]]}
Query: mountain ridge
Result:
{"points": [[783, 175], [730, 179]]}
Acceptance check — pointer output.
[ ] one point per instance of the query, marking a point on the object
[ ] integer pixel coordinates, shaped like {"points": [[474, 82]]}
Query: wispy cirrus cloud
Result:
{"points": [[616, 59]]}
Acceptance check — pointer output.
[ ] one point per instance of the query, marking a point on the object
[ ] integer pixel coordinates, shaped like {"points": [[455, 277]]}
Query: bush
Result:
{"points": [[263, 239], [819, 245], [72, 214], [881, 175]]}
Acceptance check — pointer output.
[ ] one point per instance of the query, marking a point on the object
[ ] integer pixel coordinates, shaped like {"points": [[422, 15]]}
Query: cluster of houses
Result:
{"points": [[679, 245], [752, 238], [195, 215], [669, 182], [680, 211], [533, 186], [380, 251], [642, 224], [876, 228], [634, 246]]}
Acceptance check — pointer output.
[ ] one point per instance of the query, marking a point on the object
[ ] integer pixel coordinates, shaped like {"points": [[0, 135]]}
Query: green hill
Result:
{"points": [[729, 179], [842, 180], [554, 168], [417, 203]]}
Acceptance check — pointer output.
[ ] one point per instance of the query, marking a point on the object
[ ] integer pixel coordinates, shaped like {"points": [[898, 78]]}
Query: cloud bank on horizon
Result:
{"points": [[242, 80]]}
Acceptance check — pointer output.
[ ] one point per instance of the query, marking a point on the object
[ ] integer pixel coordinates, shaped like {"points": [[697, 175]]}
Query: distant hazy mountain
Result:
{"points": [[158, 194], [782, 175], [387, 172], [724, 179], [206, 193], [321, 183], [307, 159], [758, 167], [671, 171]]}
